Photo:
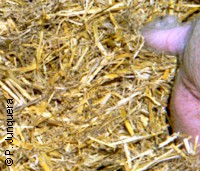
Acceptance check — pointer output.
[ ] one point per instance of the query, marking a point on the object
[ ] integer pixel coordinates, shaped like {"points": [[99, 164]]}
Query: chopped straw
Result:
{"points": [[88, 95]]}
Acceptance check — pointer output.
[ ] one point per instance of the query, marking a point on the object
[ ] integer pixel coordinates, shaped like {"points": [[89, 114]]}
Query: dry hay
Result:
{"points": [[87, 94]]}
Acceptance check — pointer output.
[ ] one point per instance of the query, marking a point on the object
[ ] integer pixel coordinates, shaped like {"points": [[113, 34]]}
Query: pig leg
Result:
{"points": [[185, 109]]}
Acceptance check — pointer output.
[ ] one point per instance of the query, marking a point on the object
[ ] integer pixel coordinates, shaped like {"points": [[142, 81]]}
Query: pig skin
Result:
{"points": [[165, 34]]}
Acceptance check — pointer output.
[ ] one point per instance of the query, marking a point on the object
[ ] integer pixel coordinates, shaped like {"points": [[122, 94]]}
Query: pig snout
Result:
{"points": [[167, 35]]}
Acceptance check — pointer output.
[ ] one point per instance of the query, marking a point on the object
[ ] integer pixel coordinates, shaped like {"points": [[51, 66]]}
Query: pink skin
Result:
{"points": [[171, 37], [165, 34], [185, 108]]}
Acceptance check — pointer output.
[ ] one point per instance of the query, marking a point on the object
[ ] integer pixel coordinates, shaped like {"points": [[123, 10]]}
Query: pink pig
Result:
{"points": [[167, 35]]}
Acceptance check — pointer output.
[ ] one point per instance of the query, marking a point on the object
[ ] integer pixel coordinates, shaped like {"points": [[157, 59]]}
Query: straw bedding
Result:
{"points": [[88, 95]]}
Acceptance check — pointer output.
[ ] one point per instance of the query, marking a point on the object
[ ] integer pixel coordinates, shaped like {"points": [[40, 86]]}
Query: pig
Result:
{"points": [[166, 34]]}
